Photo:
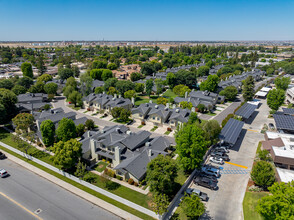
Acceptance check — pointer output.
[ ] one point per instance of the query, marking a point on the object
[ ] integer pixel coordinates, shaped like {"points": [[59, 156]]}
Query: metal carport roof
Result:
{"points": [[231, 131], [246, 110], [284, 122]]}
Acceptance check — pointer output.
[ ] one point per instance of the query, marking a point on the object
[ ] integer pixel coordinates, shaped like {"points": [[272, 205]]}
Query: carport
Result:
{"points": [[246, 110], [284, 123], [230, 133]]}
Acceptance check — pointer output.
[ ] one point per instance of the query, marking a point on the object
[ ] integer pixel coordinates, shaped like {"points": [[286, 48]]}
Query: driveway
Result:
{"points": [[226, 202]]}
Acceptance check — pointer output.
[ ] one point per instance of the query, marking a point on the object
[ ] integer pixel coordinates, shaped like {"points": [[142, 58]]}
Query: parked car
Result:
{"points": [[217, 160], [271, 126], [205, 182], [218, 154], [212, 178], [203, 196], [211, 171], [2, 156], [222, 149], [3, 173], [212, 165], [225, 157]]}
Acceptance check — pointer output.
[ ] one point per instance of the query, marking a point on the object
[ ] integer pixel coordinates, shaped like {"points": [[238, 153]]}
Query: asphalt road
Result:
{"points": [[24, 192], [102, 123]]}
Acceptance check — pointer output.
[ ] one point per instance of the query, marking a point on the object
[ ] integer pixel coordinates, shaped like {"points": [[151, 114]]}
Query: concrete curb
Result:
{"points": [[96, 201]]}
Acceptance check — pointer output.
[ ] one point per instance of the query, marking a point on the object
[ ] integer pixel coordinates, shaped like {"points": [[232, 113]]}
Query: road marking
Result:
{"points": [[21, 206], [252, 130], [234, 164]]}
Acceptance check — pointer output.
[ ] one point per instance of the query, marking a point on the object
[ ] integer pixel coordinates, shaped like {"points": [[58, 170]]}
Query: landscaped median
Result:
{"points": [[113, 198]]}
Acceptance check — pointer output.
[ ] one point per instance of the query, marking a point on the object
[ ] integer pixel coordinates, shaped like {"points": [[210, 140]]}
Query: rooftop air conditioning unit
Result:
{"points": [[156, 106], [148, 144]]}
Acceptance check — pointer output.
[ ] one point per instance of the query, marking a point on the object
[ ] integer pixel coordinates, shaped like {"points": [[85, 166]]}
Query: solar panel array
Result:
{"points": [[246, 110], [288, 111], [231, 131], [284, 122]]}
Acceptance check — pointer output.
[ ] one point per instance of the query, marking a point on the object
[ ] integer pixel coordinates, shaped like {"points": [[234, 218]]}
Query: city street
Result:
{"points": [[24, 195]]}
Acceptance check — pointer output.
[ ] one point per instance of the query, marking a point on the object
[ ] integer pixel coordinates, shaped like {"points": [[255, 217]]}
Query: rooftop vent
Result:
{"points": [[156, 106], [177, 110], [148, 144]]}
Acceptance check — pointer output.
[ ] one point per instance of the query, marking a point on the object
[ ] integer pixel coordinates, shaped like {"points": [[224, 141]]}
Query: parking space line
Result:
{"points": [[238, 165], [252, 130], [21, 206]]}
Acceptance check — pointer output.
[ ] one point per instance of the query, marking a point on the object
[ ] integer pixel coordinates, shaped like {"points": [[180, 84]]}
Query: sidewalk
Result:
{"points": [[135, 188], [99, 202]]}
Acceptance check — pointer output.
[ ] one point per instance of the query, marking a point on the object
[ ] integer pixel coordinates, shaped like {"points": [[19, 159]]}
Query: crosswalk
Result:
{"points": [[235, 171]]}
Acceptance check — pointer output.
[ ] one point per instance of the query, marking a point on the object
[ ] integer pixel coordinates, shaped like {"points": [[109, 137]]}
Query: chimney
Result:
{"points": [[133, 101], [150, 101], [115, 95], [119, 96], [117, 155], [103, 92], [149, 153], [167, 105], [186, 94], [93, 148]]}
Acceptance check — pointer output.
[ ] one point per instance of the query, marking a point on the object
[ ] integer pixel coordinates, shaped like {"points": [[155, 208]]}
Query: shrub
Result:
{"points": [[169, 129], [143, 123], [89, 178], [135, 184], [224, 122], [131, 181], [119, 178], [88, 109]]}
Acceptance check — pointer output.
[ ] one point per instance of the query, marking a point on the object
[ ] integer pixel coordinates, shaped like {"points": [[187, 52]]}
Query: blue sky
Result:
{"points": [[146, 20]]}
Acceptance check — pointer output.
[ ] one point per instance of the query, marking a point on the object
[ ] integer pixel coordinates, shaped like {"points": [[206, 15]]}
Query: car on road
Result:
{"points": [[3, 173], [2, 156], [217, 160], [271, 126], [205, 182], [203, 196], [211, 171]]}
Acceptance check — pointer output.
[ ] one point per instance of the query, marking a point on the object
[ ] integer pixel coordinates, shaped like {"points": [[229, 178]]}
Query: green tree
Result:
{"points": [[212, 130], [203, 71], [76, 98], [66, 129], [112, 66], [270, 71], [185, 104], [161, 174], [210, 84], [80, 130], [67, 153], [282, 83], [48, 132], [201, 108], [149, 86], [76, 71], [68, 90], [159, 86], [123, 86], [98, 64], [37, 88], [8, 99], [263, 174], [65, 73], [191, 146], [248, 88], [161, 100], [279, 203], [124, 115], [51, 88], [139, 87], [115, 112], [130, 94], [18, 89], [44, 78], [135, 76], [181, 90], [106, 74], [289, 68], [3, 114], [27, 69], [86, 84], [25, 82], [110, 83], [6, 84], [112, 91], [96, 74], [230, 93], [275, 98], [160, 203], [80, 170], [192, 207], [171, 80], [89, 124], [23, 121], [71, 82], [40, 64], [99, 90], [193, 118]]}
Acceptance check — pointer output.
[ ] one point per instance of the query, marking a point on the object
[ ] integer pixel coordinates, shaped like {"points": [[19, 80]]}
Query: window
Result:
{"points": [[153, 118], [157, 119], [291, 167], [140, 115], [172, 122]]}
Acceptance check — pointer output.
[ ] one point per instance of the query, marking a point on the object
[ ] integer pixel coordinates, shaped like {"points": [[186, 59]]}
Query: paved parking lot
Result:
{"points": [[226, 202]]}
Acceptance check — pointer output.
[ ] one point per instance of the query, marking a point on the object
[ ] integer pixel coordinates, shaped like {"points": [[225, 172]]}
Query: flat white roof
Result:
{"points": [[285, 175], [253, 102], [265, 89], [274, 135], [261, 94]]}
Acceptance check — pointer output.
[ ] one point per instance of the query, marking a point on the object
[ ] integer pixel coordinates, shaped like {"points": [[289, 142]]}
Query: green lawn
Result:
{"points": [[100, 167], [82, 187], [181, 178], [141, 126], [119, 190], [249, 204], [179, 215], [169, 94], [167, 132], [145, 99], [211, 114], [73, 107], [154, 128]]}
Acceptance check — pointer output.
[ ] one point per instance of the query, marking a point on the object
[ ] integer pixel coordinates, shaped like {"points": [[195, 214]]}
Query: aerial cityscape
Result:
{"points": [[146, 110]]}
